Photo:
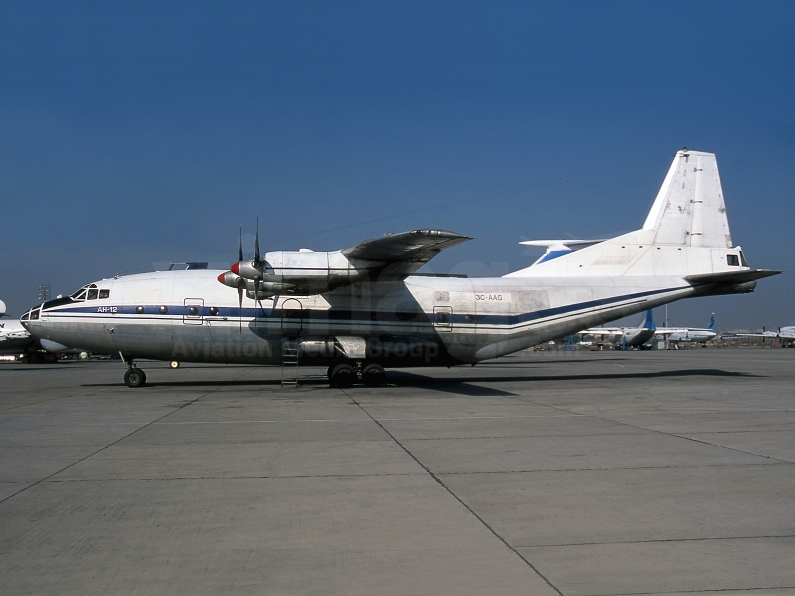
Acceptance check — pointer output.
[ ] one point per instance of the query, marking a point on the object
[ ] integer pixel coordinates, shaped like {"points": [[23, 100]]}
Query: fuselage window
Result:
{"points": [[193, 311], [733, 260], [214, 311], [92, 294], [104, 294]]}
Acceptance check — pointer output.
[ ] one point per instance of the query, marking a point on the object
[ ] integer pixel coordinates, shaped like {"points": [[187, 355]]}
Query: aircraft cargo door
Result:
{"points": [[292, 317], [443, 318]]}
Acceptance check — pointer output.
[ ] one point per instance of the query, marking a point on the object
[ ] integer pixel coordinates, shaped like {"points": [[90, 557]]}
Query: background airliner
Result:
{"points": [[689, 334], [362, 309], [628, 337], [784, 334]]}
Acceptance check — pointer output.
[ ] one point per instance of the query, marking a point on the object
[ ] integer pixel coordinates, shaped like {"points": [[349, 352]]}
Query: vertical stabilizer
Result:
{"points": [[649, 323], [712, 323], [689, 209]]}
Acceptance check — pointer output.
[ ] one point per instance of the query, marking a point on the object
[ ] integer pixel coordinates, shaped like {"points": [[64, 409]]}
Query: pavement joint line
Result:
{"points": [[541, 470], [11, 496], [667, 434], [45, 401], [189, 478], [738, 432], [530, 436], [705, 411], [188, 422], [705, 539], [457, 498], [195, 422], [753, 591]]}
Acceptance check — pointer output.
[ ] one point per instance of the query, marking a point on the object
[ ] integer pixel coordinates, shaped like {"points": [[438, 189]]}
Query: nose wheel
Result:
{"points": [[134, 377]]}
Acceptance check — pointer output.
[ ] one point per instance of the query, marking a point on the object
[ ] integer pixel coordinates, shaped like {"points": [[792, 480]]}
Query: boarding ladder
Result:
{"points": [[289, 361]]}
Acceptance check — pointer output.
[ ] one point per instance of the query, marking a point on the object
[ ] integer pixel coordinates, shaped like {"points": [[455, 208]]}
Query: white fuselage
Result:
{"points": [[189, 316], [686, 334]]}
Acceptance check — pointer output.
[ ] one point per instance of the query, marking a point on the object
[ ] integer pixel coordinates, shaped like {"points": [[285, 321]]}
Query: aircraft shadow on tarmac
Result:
{"points": [[459, 386]]}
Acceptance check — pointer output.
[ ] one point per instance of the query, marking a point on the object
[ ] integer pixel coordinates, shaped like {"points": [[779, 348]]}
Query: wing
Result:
{"points": [[603, 331], [396, 257]]}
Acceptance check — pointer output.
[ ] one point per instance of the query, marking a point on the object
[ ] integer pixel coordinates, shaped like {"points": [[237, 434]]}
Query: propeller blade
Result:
{"points": [[240, 245], [256, 299], [256, 244], [240, 308]]}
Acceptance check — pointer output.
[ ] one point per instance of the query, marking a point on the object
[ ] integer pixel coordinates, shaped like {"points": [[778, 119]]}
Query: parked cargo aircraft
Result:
{"points": [[625, 337], [689, 334], [363, 308]]}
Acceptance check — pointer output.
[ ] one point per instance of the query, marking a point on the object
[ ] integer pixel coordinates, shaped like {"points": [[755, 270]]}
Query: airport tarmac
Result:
{"points": [[574, 473]]}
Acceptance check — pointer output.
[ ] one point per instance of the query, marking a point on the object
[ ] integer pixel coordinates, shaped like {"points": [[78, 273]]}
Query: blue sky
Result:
{"points": [[141, 133]]}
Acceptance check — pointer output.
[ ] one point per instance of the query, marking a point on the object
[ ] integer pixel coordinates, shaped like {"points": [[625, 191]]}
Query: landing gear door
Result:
{"points": [[443, 318], [194, 311]]}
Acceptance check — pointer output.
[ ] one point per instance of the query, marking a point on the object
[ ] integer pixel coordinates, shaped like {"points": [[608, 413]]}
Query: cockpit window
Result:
{"points": [[89, 290], [742, 259], [104, 294], [732, 261], [80, 294]]}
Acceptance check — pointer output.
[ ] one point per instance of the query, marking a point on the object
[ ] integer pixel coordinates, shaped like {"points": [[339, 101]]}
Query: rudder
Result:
{"points": [[689, 209]]}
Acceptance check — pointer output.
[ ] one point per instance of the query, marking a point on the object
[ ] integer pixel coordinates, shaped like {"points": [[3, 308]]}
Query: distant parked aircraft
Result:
{"points": [[786, 335], [686, 334], [627, 337]]}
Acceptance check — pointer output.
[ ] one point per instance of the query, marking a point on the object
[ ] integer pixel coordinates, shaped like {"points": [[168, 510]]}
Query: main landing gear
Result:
{"points": [[134, 377], [346, 375]]}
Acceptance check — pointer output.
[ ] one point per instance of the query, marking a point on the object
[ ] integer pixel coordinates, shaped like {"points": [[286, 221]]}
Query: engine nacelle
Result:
{"points": [[296, 272]]}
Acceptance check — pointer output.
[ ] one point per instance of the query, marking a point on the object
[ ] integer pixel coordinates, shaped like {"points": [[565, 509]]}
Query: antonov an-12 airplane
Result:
{"points": [[362, 309]]}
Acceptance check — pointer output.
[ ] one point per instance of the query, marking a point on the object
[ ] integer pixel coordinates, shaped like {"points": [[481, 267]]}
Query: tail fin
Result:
{"points": [[689, 209], [712, 323], [686, 234], [649, 322]]}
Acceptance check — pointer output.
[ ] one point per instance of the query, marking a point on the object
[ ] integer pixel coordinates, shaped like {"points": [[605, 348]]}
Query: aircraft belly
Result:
{"points": [[89, 335], [224, 344], [141, 338]]}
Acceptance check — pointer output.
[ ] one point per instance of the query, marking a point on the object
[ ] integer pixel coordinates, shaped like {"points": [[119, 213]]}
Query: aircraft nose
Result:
{"points": [[31, 315]]}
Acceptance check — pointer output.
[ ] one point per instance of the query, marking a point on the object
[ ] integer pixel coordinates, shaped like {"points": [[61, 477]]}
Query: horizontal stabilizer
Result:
{"points": [[735, 277], [558, 248]]}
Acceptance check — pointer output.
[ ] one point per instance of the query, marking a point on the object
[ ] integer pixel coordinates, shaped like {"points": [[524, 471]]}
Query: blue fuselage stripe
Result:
{"points": [[174, 311]]}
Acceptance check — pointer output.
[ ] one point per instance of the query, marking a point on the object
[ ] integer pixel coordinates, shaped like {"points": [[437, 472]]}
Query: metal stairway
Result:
{"points": [[289, 361]]}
